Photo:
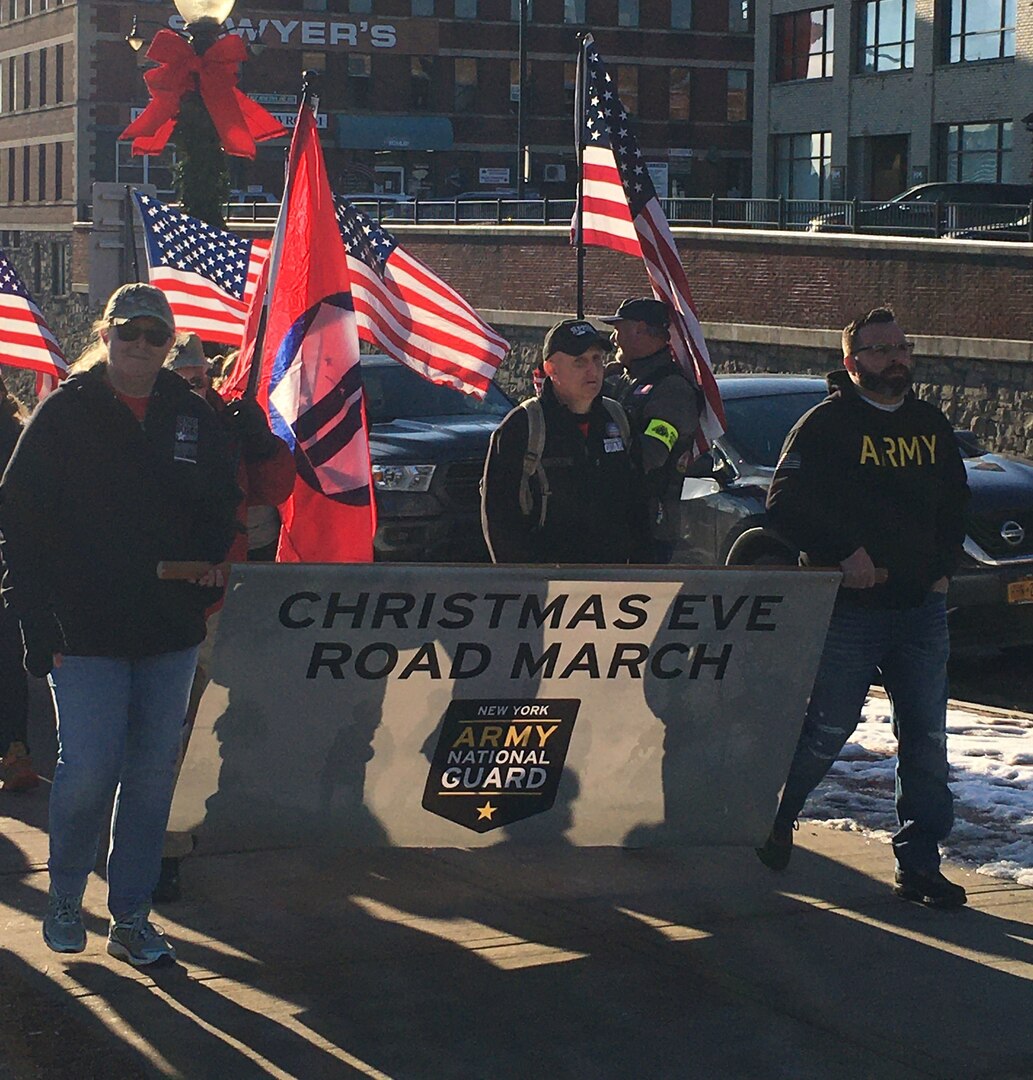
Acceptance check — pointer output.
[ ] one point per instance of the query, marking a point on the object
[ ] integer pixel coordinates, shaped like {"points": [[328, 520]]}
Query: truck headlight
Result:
{"points": [[402, 477]]}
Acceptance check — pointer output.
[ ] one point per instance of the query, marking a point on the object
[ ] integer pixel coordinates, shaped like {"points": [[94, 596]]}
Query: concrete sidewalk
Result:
{"points": [[518, 963]]}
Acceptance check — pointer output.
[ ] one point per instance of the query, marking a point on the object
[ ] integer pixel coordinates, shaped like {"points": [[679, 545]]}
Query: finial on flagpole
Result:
{"points": [[310, 88]]}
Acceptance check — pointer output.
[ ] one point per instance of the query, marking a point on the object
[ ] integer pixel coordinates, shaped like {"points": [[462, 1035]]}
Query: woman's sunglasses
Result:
{"points": [[128, 332]]}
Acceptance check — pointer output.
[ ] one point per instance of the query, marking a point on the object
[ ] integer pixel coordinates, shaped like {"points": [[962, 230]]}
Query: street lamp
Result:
{"points": [[201, 177], [195, 98]]}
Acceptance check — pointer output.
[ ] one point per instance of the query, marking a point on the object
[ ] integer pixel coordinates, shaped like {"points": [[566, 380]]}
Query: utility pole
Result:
{"points": [[521, 88]]}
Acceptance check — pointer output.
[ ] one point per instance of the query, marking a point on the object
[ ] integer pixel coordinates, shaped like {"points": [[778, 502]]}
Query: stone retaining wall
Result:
{"points": [[992, 398]]}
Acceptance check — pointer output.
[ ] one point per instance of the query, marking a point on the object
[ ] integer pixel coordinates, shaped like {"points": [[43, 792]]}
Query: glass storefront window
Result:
{"points": [[802, 164]]}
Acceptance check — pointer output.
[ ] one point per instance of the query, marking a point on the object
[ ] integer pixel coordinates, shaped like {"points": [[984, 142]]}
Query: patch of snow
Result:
{"points": [[991, 776]]}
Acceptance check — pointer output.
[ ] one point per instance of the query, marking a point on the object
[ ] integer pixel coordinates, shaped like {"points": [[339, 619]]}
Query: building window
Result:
{"points": [[360, 7], [153, 169], [627, 13], [679, 98], [59, 179], [514, 9], [574, 12], [980, 152], [37, 268], [420, 72], [516, 86], [25, 174], [740, 16], [423, 7], [802, 165], [804, 40], [42, 77], [627, 87], [569, 83], [466, 9], [465, 83], [26, 81], [359, 67], [10, 175], [59, 73], [737, 97], [982, 30], [681, 14], [58, 269], [41, 172], [11, 97], [888, 35]]}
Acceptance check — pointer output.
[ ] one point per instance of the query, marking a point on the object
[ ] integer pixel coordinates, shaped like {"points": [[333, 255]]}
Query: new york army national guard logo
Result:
{"points": [[499, 760]]}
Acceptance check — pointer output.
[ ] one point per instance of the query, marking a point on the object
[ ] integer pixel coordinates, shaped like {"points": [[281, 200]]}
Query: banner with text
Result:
{"points": [[467, 705]]}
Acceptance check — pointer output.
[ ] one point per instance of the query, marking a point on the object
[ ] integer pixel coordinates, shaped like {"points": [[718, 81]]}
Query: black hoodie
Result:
{"points": [[852, 475], [93, 500]]}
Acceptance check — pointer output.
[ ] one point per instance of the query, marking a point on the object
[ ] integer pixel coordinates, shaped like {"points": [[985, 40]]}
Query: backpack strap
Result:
{"points": [[619, 417], [533, 460]]}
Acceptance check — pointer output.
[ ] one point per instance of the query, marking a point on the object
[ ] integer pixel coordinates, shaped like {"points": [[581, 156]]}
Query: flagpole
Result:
{"points": [[129, 236], [579, 144], [310, 99]]}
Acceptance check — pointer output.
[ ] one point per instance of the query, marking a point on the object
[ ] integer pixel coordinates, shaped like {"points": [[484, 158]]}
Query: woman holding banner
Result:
{"points": [[122, 467]]}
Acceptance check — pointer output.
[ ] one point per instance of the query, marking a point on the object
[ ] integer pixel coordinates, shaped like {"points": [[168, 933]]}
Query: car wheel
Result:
{"points": [[771, 557]]}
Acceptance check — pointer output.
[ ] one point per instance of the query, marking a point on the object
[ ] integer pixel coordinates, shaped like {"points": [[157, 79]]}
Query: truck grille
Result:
{"points": [[986, 532], [462, 483]]}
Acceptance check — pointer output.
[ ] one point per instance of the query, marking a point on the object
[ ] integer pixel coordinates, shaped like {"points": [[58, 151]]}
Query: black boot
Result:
{"points": [[931, 889], [778, 848]]}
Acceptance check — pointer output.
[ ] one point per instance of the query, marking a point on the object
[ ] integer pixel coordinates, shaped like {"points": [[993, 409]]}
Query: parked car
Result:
{"points": [[427, 446], [933, 209], [724, 521]]}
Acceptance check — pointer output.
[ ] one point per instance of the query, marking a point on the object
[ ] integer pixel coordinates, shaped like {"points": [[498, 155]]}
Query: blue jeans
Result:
{"points": [[118, 726], [910, 649]]}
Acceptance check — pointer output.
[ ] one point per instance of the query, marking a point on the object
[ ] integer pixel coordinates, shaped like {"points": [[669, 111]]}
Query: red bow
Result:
{"points": [[239, 121]]}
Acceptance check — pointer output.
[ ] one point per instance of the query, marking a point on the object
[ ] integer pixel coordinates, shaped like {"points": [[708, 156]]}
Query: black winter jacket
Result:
{"points": [[852, 475], [92, 501], [663, 407], [596, 508]]}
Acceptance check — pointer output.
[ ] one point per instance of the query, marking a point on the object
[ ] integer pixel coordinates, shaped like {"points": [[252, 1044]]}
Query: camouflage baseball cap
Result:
{"points": [[187, 351], [138, 300]]}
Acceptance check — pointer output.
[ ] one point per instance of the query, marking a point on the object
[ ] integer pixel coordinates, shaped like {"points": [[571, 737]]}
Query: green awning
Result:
{"points": [[394, 132]]}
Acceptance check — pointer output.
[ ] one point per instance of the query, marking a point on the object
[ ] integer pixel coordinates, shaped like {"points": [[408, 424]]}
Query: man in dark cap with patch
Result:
{"points": [[662, 405], [561, 483]]}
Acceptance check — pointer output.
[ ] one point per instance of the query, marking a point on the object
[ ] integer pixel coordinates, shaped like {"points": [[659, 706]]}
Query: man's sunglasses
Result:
{"points": [[887, 350], [157, 337]]}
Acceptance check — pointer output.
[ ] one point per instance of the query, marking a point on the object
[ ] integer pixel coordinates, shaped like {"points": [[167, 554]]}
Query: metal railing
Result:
{"points": [[953, 220]]}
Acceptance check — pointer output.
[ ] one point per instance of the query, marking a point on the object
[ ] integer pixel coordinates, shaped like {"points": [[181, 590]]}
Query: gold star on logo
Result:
{"points": [[486, 811]]}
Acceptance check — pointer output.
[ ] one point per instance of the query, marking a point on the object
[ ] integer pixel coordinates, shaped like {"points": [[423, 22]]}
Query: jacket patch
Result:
{"points": [[898, 452], [662, 430], [789, 461], [187, 433]]}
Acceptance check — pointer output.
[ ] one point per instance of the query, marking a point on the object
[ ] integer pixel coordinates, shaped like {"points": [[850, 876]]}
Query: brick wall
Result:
{"points": [[937, 287]]}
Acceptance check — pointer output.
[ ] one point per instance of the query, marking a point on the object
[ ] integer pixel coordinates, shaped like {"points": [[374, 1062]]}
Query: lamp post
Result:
{"points": [[200, 175], [521, 82]]}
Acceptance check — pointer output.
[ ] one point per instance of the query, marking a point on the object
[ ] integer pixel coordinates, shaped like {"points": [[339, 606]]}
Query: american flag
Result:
{"points": [[25, 339], [408, 311], [208, 275], [620, 210]]}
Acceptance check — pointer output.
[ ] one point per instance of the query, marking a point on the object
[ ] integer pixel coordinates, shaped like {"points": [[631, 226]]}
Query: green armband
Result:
{"points": [[665, 432]]}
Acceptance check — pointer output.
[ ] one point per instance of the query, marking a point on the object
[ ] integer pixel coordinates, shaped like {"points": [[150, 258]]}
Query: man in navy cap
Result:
{"points": [[662, 405], [561, 482]]}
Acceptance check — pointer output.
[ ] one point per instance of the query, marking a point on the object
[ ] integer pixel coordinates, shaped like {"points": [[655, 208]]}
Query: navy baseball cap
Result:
{"points": [[642, 309], [573, 336]]}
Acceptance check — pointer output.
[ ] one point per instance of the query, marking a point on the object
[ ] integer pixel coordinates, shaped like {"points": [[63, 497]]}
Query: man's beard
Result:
{"points": [[890, 382]]}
